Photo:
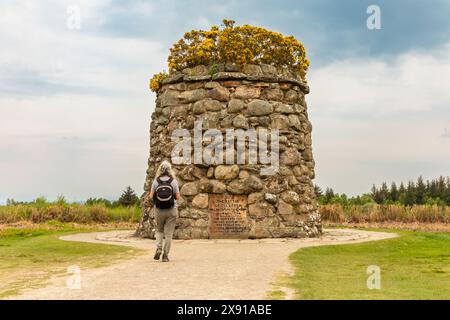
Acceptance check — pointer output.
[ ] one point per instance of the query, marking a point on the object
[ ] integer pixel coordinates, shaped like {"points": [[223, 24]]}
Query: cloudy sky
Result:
{"points": [[75, 105]]}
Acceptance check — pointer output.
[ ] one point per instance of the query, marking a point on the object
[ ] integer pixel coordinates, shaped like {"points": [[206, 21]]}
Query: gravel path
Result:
{"points": [[199, 269]]}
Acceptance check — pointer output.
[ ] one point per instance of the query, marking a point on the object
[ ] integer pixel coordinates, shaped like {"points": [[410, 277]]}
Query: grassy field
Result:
{"points": [[375, 213], [65, 212], [414, 266], [29, 256]]}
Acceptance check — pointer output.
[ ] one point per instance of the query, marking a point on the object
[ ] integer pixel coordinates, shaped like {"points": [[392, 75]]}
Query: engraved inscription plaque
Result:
{"points": [[228, 216]]}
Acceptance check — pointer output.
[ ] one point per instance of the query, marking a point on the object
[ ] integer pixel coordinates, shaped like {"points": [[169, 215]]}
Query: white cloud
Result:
{"points": [[75, 107], [376, 121], [412, 82]]}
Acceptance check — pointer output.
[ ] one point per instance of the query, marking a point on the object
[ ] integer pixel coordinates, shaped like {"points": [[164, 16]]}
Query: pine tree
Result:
{"points": [[441, 187], [318, 191], [128, 198], [329, 194], [433, 189], [410, 196], [384, 193], [446, 197], [376, 195], [394, 192], [402, 188], [420, 191], [401, 193]]}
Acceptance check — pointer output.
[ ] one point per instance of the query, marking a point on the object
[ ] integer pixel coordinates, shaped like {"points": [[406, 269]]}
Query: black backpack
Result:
{"points": [[163, 196]]}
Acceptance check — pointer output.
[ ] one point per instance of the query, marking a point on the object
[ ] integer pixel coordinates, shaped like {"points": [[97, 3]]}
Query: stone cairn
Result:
{"points": [[230, 96]]}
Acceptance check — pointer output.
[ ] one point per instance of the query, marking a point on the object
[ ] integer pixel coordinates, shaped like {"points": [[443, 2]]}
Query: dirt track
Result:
{"points": [[199, 269]]}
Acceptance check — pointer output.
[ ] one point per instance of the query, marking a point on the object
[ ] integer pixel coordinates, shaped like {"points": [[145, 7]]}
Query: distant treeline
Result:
{"points": [[127, 199], [420, 192]]}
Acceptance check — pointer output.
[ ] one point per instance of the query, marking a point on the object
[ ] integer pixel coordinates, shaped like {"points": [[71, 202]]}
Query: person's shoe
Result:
{"points": [[165, 258], [157, 255]]}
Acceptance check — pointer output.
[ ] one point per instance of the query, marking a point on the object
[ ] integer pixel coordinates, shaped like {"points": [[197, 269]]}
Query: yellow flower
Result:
{"points": [[155, 81], [241, 44]]}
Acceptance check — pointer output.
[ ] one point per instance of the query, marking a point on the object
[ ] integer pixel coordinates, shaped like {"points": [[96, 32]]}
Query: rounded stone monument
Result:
{"points": [[239, 139]]}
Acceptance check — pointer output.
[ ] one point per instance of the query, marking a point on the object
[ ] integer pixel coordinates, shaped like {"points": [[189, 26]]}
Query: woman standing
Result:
{"points": [[165, 192]]}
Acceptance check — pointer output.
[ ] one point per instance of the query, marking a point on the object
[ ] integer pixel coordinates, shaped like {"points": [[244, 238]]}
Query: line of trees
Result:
{"points": [[420, 192], [128, 198]]}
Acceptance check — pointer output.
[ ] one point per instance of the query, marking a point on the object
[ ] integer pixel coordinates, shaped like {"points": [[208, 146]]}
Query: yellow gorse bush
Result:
{"points": [[244, 44], [156, 81]]}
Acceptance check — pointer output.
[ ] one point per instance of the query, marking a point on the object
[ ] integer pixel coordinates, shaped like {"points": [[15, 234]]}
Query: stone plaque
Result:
{"points": [[228, 216]]}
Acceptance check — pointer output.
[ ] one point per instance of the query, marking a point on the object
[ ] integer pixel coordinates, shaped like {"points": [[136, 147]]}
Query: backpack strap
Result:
{"points": [[167, 181]]}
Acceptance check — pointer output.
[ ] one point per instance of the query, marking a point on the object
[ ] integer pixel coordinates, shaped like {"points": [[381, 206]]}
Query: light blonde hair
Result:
{"points": [[165, 168]]}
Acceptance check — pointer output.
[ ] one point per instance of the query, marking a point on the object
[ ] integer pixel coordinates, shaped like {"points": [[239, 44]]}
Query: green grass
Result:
{"points": [[276, 295], [29, 257], [131, 214], [414, 266]]}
